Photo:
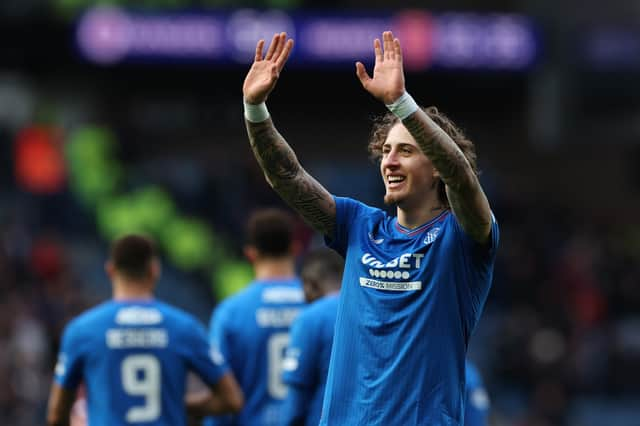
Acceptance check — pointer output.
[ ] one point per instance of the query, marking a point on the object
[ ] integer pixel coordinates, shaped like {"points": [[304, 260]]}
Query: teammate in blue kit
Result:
{"points": [[414, 285], [133, 353], [307, 359], [476, 411], [251, 328]]}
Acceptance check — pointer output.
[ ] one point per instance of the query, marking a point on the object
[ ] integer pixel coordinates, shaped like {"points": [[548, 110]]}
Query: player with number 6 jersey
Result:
{"points": [[251, 328], [133, 353]]}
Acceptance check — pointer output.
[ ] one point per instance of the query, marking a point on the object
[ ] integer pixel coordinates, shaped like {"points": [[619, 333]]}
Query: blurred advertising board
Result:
{"points": [[464, 41]]}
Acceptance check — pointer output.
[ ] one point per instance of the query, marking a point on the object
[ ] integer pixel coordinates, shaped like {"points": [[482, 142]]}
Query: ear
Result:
{"points": [[436, 173], [296, 248], [156, 269], [110, 269], [251, 253]]}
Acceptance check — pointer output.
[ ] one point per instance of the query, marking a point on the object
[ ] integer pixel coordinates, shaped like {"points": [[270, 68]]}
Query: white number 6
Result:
{"points": [[275, 349]]}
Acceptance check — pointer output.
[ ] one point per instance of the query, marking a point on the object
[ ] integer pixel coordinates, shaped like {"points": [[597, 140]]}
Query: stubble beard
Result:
{"points": [[390, 199]]}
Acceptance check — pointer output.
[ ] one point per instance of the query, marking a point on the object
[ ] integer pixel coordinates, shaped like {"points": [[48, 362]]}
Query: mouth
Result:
{"points": [[394, 181]]}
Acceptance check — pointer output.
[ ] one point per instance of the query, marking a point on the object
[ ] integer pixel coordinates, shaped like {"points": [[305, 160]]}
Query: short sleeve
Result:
{"points": [[68, 370], [347, 209], [203, 358], [480, 252], [218, 332], [301, 357], [476, 398], [476, 261]]}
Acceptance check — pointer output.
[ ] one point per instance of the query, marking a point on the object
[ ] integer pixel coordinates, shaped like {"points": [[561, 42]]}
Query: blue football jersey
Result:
{"points": [[307, 361], [476, 411], [133, 357], [410, 301], [251, 330]]}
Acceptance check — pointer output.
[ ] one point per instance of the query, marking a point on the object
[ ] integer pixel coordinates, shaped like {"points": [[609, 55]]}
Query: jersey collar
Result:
{"points": [[412, 232]]}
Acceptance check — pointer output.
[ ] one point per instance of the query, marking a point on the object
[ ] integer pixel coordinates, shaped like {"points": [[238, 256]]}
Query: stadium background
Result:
{"points": [[89, 150]]}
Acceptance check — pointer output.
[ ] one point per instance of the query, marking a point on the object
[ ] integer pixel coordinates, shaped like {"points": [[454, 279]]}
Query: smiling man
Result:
{"points": [[414, 285]]}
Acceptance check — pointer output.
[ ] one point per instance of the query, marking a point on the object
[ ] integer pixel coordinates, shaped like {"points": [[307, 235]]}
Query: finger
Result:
{"points": [[388, 45], [272, 47], [397, 49], [378, 50], [284, 55], [362, 74], [281, 42], [259, 48]]}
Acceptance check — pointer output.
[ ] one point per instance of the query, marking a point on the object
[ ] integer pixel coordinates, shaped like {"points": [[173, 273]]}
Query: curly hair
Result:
{"points": [[383, 124]]}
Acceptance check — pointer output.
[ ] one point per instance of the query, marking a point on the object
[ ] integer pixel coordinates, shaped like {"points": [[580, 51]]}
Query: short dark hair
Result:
{"points": [[132, 254], [324, 266], [270, 231], [382, 125]]}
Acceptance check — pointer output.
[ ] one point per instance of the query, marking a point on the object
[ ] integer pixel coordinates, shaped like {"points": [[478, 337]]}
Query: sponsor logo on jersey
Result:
{"points": [[432, 235], [138, 315], [404, 261], [291, 360], [391, 285], [375, 240], [283, 295], [216, 355], [61, 365]]}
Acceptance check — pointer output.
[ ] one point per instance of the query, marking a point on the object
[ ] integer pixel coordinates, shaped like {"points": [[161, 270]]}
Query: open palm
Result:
{"points": [[387, 83], [264, 72]]}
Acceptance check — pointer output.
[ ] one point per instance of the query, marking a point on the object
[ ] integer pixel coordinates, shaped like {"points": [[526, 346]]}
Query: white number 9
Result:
{"points": [[141, 377]]}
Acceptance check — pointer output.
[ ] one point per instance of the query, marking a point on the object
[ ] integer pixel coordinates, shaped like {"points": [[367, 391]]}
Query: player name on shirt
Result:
{"points": [[122, 338], [276, 317]]}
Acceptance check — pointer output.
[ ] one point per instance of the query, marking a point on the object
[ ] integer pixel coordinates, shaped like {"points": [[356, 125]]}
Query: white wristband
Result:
{"points": [[255, 113], [404, 106]]}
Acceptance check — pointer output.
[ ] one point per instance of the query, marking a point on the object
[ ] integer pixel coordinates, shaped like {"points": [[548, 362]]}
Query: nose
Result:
{"points": [[390, 159]]}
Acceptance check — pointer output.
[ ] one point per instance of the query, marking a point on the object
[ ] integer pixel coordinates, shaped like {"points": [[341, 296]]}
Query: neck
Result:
{"points": [[127, 290], [274, 268], [412, 218]]}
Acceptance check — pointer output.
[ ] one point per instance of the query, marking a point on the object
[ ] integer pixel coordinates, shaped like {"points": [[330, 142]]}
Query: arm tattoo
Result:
{"points": [[287, 177], [465, 195]]}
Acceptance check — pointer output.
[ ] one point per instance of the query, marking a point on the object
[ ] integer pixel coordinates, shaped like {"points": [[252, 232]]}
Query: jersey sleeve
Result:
{"points": [[295, 408], [478, 260], [68, 370], [300, 370], [347, 209], [301, 357], [476, 399], [204, 359], [218, 331]]}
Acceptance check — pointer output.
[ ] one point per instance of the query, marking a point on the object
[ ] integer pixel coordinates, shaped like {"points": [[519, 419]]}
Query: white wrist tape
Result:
{"points": [[255, 113], [404, 106]]}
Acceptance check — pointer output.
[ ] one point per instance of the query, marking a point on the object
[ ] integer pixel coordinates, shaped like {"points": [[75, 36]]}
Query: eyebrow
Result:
{"points": [[399, 144]]}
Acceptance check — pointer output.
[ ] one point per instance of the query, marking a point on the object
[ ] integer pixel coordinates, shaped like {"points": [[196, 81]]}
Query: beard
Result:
{"points": [[390, 199]]}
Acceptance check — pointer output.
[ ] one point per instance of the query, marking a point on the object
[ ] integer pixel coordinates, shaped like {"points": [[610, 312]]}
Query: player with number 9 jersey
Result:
{"points": [[133, 353], [133, 357]]}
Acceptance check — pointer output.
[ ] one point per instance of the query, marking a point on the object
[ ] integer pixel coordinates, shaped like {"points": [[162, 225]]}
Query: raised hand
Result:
{"points": [[387, 83], [264, 72]]}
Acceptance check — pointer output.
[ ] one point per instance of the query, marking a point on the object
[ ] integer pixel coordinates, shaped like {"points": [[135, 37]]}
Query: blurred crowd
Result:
{"points": [[40, 294]]}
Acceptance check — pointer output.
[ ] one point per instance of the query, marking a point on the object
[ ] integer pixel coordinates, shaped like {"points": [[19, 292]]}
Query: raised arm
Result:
{"points": [[276, 158], [466, 197]]}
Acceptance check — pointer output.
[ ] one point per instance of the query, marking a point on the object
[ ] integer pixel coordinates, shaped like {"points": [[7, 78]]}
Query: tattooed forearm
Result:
{"points": [[445, 155], [465, 195], [287, 177]]}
